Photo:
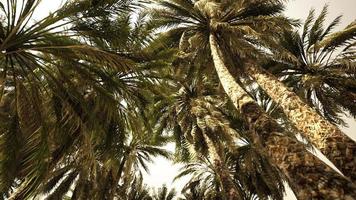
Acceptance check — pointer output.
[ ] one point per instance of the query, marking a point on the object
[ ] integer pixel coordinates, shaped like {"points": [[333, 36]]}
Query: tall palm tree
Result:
{"points": [[209, 25], [319, 77], [209, 105], [266, 128], [313, 57]]}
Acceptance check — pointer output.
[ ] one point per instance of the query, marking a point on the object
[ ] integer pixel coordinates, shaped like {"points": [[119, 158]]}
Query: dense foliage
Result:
{"points": [[92, 93]]}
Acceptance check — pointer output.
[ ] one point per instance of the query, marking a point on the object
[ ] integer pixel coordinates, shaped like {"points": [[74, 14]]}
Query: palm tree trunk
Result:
{"points": [[330, 140], [308, 176], [127, 176], [231, 192]]}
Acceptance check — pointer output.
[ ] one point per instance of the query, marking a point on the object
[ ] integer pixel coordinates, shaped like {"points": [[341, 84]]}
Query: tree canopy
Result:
{"points": [[93, 92]]}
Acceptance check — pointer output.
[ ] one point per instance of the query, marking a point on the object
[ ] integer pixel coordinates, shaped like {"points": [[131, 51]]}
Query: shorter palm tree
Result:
{"points": [[258, 177], [137, 191], [203, 175], [105, 168], [195, 118], [197, 191], [163, 193]]}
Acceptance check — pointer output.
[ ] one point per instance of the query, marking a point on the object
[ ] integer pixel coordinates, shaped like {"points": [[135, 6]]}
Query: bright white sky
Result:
{"points": [[163, 171]]}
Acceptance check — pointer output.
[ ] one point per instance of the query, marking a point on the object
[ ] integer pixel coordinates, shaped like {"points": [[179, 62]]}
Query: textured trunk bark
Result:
{"points": [[331, 141], [127, 175], [308, 176], [232, 192]]}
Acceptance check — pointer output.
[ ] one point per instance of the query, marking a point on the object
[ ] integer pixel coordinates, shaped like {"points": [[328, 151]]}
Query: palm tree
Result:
{"points": [[249, 172], [208, 24], [255, 173], [272, 143], [318, 76], [118, 151], [199, 122], [205, 181], [164, 194], [104, 168], [75, 85], [197, 191], [250, 169], [138, 190], [61, 99], [139, 151], [203, 176]]}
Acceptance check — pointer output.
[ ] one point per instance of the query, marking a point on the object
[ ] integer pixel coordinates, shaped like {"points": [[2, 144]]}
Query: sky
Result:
{"points": [[163, 171]]}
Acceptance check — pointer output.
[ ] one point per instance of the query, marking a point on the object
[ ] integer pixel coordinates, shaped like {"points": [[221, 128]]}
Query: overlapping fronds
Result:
{"points": [[65, 103], [93, 92], [320, 65]]}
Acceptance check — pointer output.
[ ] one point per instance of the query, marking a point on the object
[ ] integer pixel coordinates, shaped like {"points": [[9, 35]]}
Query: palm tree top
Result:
{"points": [[319, 64]]}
